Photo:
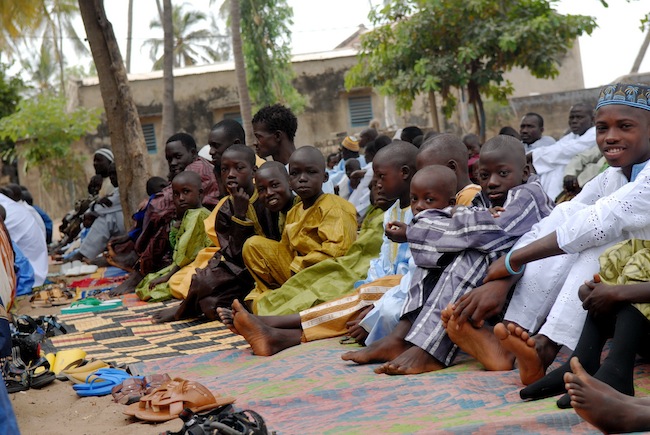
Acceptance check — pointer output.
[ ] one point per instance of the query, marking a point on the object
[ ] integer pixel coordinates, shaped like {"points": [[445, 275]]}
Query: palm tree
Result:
{"points": [[193, 43], [245, 105]]}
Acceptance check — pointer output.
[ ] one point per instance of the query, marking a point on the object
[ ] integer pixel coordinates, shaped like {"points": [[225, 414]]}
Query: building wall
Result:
{"points": [[203, 95]]}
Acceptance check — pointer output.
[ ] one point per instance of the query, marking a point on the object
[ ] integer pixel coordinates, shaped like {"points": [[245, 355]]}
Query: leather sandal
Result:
{"points": [[169, 401]]}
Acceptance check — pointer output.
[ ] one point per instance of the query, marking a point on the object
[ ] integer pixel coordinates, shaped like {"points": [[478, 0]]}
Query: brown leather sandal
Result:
{"points": [[129, 391], [168, 402]]}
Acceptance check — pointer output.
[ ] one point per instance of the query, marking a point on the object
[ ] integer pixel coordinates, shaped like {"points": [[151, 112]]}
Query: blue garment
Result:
{"points": [[47, 221], [393, 257], [337, 173], [24, 272]]}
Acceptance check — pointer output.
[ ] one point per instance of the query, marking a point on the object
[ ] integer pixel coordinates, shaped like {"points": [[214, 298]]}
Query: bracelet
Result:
{"points": [[509, 268]]}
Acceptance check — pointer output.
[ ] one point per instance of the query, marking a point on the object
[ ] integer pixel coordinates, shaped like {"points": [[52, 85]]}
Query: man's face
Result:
{"points": [[101, 165], [529, 130], [178, 157], [580, 120]]}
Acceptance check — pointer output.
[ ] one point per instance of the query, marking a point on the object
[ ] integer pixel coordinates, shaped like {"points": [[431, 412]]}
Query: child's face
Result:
{"points": [[266, 142], [186, 196], [623, 135], [425, 195], [306, 178], [236, 172], [178, 157], [219, 141], [352, 166], [333, 160], [390, 180], [273, 188], [497, 174]]}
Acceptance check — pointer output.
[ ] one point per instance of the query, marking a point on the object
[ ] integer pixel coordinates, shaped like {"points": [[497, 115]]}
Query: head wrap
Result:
{"points": [[637, 95], [350, 143], [106, 153]]}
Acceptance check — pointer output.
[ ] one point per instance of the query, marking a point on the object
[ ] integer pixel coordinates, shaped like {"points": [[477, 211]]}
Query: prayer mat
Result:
{"points": [[309, 389], [126, 334]]}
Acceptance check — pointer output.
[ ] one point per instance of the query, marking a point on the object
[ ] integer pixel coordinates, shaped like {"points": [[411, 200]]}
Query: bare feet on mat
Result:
{"points": [[127, 286], [263, 339], [412, 362], [516, 340], [603, 406], [480, 343], [163, 316], [385, 349], [226, 317]]}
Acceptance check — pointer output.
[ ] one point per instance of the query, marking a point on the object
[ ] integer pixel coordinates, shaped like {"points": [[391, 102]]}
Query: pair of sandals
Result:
{"points": [[19, 376], [170, 399], [52, 295], [132, 389], [101, 382]]}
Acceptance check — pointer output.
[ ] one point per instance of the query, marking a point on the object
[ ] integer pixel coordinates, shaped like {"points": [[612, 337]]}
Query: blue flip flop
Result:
{"points": [[101, 382]]}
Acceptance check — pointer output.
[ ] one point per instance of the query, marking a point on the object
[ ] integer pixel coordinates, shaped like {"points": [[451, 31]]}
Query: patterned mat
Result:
{"points": [[309, 389], [126, 335]]}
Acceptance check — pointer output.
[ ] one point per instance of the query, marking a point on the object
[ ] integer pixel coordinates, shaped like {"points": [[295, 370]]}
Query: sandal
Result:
{"points": [[15, 377], [60, 296], [101, 382], [79, 374], [155, 381], [129, 391], [39, 374], [166, 403], [67, 359], [41, 299]]}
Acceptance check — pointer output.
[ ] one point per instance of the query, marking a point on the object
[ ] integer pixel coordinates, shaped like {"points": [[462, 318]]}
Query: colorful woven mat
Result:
{"points": [[308, 389], [126, 335]]}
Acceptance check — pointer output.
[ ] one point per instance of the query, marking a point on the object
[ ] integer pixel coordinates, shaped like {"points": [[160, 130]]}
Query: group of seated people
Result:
{"points": [[422, 262]]}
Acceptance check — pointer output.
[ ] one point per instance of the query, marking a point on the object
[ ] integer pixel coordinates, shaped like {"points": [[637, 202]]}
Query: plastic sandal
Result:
{"points": [[15, 377], [79, 374], [91, 305], [155, 381], [101, 382], [67, 359], [59, 295], [39, 374]]}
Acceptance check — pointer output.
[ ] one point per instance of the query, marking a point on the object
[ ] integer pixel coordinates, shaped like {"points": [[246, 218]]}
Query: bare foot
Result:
{"points": [[481, 343], [382, 350], [412, 362], [516, 340], [264, 340], [603, 406], [226, 317], [128, 286], [163, 316]]}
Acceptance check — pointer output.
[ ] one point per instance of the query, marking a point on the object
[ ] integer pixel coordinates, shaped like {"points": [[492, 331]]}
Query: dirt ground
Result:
{"points": [[56, 409]]}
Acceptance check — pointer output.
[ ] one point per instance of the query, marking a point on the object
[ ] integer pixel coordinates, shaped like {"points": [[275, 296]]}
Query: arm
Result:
{"points": [[164, 278], [336, 230], [232, 232], [436, 232], [191, 237]]}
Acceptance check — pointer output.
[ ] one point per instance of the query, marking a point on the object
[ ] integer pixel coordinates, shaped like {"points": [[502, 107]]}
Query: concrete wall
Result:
{"points": [[204, 94]]}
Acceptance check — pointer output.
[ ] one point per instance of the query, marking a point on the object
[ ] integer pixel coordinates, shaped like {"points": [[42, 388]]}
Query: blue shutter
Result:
{"points": [[360, 111], [150, 138]]}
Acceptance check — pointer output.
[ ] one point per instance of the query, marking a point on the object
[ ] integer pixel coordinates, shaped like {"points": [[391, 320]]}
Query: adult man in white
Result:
{"points": [[531, 129], [25, 233], [550, 161]]}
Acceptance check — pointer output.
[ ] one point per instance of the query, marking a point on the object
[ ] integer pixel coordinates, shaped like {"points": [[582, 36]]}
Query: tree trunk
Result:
{"points": [[641, 54], [434, 112], [168, 116], [240, 70], [127, 139], [129, 36]]}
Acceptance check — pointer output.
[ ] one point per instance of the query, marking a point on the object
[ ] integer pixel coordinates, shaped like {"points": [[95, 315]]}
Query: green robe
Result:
{"points": [[186, 241], [328, 279]]}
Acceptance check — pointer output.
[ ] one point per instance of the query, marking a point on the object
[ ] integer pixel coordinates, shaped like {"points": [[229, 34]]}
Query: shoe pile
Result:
{"points": [[223, 420]]}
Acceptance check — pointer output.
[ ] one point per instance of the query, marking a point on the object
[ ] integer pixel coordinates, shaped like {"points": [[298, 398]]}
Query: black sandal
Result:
{"points": [[15, 377], [43, 377]]}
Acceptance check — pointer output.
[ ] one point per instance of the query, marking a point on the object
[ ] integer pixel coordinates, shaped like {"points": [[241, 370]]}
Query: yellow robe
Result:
{"points": [[325, 230]]}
